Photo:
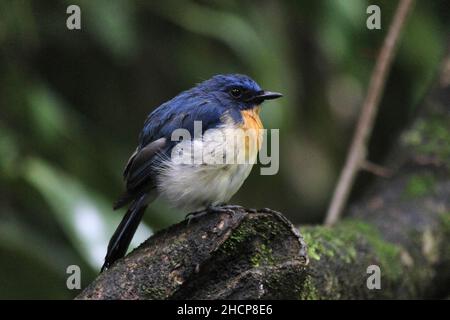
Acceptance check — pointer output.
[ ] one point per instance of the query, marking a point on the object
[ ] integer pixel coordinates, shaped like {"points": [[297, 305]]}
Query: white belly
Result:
{"points": [[194, 182]]}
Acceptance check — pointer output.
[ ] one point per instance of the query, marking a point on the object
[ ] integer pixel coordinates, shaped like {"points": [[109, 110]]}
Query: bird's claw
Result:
{"points": [[233, 207], [194, 215], [221, 209], [229, 209]]}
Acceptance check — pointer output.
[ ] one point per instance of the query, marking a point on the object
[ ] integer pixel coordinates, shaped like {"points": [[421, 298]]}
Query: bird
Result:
{"points": [[162, 166]]}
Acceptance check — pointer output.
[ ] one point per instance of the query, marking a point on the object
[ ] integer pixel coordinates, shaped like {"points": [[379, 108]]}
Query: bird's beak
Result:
{"points": [[265, 95], [269, 95]]}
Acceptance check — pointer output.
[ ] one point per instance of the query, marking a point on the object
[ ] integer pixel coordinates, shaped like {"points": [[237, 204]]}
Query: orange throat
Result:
{"points": [[252, 124]]}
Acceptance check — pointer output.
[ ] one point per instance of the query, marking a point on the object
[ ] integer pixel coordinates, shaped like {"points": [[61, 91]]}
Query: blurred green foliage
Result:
{"points": [[73, 102]]}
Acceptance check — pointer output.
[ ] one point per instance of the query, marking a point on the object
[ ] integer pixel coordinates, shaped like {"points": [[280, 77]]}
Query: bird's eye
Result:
{"points": [[235, 92]]}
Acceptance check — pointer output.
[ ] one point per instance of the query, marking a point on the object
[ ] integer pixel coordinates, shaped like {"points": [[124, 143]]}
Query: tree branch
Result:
{"points": [[214, 256], [358, 149]]}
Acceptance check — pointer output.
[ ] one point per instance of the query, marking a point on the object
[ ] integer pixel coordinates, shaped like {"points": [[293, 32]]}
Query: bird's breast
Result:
{"points": [[211, 169]]}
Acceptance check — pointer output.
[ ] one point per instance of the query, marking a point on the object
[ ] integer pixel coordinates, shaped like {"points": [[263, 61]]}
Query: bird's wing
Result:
{"points": [[181, 112], [138, 171], [140, 164]]}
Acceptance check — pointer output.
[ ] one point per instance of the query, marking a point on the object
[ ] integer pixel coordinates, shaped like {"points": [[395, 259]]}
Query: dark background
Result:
{"points": [[72, 104]]}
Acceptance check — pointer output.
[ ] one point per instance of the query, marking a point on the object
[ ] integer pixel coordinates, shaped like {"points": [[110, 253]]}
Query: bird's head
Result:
{"points": [[237, 91]]}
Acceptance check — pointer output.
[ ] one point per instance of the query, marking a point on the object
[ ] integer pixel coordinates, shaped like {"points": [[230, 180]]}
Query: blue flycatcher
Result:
{"points": [[225, 106]]}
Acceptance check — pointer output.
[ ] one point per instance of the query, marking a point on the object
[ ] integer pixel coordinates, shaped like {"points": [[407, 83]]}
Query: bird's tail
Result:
{"points": [[118, 245]]}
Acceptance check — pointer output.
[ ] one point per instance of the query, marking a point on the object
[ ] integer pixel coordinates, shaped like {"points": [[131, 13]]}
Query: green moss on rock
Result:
{"points": [[265, 229], [314, 247], [388, 254], [339, 243], [331, 243], [263, 256], [308, 291]]}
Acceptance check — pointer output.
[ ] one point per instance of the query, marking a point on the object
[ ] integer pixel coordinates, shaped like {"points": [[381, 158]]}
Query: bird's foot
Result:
{"points": [[221, 208], [236, 207], [195, 214], [230, 207]]}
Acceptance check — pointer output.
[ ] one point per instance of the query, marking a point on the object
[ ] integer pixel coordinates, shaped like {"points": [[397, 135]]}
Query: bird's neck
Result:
{"points": [[251, 119]]}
